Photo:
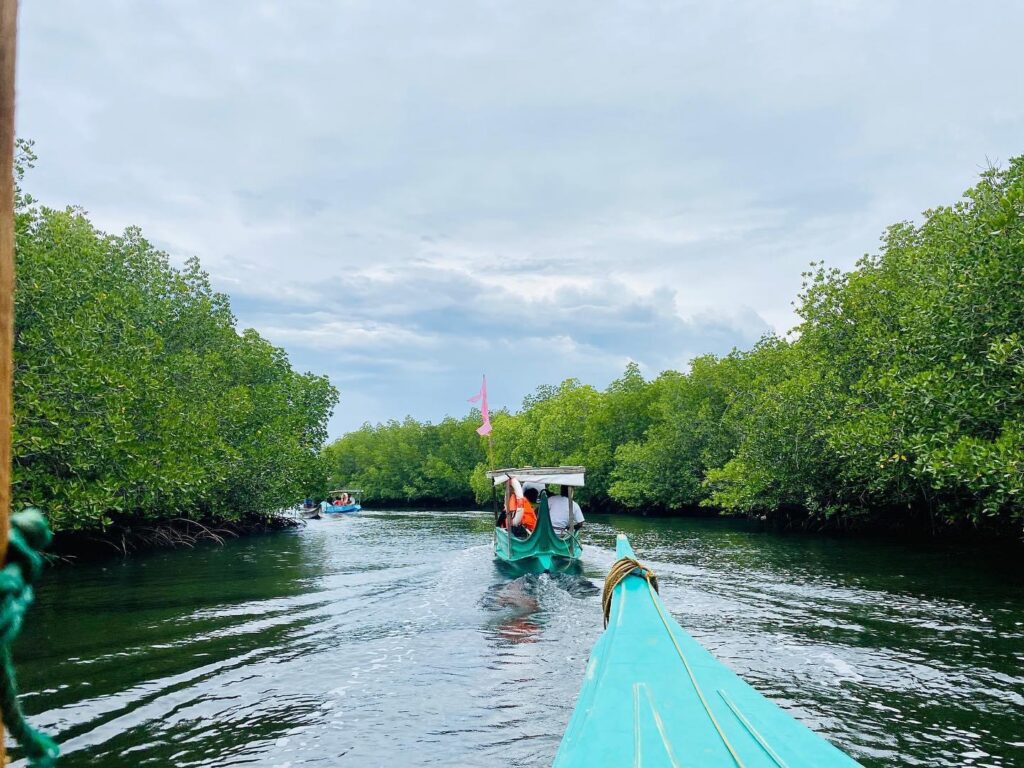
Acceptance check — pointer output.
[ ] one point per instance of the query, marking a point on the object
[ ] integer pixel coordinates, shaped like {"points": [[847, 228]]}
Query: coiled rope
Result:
{"points": [[29, 535], [621, 569]]}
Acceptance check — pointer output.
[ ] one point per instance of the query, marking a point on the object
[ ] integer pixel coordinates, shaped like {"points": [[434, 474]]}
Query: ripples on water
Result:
{"points": [[392, 639]]}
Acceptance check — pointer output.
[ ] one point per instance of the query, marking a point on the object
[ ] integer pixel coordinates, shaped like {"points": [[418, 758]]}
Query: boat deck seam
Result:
{"points": [[752, 730], [693, 677]]}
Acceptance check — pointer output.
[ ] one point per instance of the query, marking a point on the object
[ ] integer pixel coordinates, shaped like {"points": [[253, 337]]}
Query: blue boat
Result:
{"points": [[351, 500], [331, 508], [653, 696]]}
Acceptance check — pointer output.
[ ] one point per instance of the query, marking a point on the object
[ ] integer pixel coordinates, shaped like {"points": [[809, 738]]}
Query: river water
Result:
{"points": [[392, 639]]}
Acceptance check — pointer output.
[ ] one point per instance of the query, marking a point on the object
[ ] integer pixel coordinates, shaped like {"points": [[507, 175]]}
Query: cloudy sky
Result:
{"points": [[405, 195]]}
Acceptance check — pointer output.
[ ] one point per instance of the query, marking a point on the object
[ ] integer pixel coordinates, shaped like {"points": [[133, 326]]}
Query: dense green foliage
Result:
{"points": [[136, 398], [898, 399], [408, 461]]}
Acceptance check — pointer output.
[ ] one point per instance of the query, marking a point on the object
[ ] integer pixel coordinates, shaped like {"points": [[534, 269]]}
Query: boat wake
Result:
{"points": [[524, 591]]}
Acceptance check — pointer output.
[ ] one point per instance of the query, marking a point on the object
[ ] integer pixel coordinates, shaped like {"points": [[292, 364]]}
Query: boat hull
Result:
{"points": [[653, 696], [544, 552], [343, 509]]}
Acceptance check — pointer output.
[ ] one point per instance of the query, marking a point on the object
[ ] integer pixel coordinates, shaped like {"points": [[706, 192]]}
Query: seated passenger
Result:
{"points": [[539, 487], [558, 510], [524, 519], [508, 509]]}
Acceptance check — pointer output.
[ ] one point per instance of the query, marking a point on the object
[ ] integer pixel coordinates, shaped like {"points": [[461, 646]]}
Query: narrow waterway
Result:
{"points": [[392, 639]]}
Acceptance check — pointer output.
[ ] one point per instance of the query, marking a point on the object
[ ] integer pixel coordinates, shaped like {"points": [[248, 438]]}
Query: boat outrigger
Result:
{"points": [[342, 501], [653, 696], [545, 550]]}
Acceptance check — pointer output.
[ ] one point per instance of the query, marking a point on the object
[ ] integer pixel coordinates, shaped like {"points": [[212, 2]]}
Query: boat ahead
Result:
{"points": [[343, 500], [653, 696], [546, 549]]}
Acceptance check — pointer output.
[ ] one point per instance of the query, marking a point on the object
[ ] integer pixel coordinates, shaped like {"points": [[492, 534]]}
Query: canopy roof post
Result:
{"points": [[570, 523]]}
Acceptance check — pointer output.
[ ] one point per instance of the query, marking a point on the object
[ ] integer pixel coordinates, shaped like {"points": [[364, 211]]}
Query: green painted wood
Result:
{"points": [[543, 552], [638, 706]]}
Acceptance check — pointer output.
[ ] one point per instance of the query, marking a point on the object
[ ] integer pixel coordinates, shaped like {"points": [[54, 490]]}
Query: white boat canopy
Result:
{"points": [[543, 475]]}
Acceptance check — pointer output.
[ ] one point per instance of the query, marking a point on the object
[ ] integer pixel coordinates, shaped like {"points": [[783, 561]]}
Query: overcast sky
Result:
{"points": [[405, 195]]}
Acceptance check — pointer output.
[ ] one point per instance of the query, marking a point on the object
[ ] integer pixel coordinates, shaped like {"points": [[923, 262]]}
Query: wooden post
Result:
{"points": [[8, 27], [8, 36], [508, 517]]}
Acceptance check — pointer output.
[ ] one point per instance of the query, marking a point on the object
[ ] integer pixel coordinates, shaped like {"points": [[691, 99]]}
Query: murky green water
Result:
{"points": [[391, 639]]}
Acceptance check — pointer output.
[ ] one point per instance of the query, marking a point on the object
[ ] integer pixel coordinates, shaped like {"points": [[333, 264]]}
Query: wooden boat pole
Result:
{"points": [[494, 513], [508, 517], [8, 37], [8, 27]]}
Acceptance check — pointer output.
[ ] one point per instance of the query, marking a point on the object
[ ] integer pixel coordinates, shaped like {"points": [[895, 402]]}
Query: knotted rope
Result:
{"points": [[621, 569], [29, 534]]}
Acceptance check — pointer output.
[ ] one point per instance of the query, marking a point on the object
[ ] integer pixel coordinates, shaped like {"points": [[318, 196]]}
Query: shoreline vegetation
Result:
{"points": [[896, 404], [123, 539], [142, 414], [144, 417]]}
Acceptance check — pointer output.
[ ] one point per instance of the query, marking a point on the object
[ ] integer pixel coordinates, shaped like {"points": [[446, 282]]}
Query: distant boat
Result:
{"points": [[545, 550], [351, 498], [652, 696], [309, 510]]}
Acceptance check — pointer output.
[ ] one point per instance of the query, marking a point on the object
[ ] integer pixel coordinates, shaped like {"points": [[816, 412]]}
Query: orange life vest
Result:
{"points": [[529, 516]]}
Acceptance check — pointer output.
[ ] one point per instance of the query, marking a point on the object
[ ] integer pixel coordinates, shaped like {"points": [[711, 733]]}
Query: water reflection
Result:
{"points": [[392, 638], [517, 605]]}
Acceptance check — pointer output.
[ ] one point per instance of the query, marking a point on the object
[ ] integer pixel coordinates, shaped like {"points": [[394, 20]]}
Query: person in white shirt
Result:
{"points": [[558, 510]]}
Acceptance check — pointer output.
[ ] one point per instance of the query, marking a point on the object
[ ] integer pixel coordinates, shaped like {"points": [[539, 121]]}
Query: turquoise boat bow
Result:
{"points": [[653, 696]]}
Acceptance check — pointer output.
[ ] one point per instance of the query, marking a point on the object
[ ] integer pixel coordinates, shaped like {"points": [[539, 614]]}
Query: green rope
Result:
{"points": [[29, 534]]}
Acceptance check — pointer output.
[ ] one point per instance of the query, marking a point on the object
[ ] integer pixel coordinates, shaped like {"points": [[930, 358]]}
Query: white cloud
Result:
{"points": [[623, 180], [322, 332]]}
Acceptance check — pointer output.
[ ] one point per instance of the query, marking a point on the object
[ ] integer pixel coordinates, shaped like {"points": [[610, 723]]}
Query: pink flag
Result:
{"points": [[481, 397]]}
